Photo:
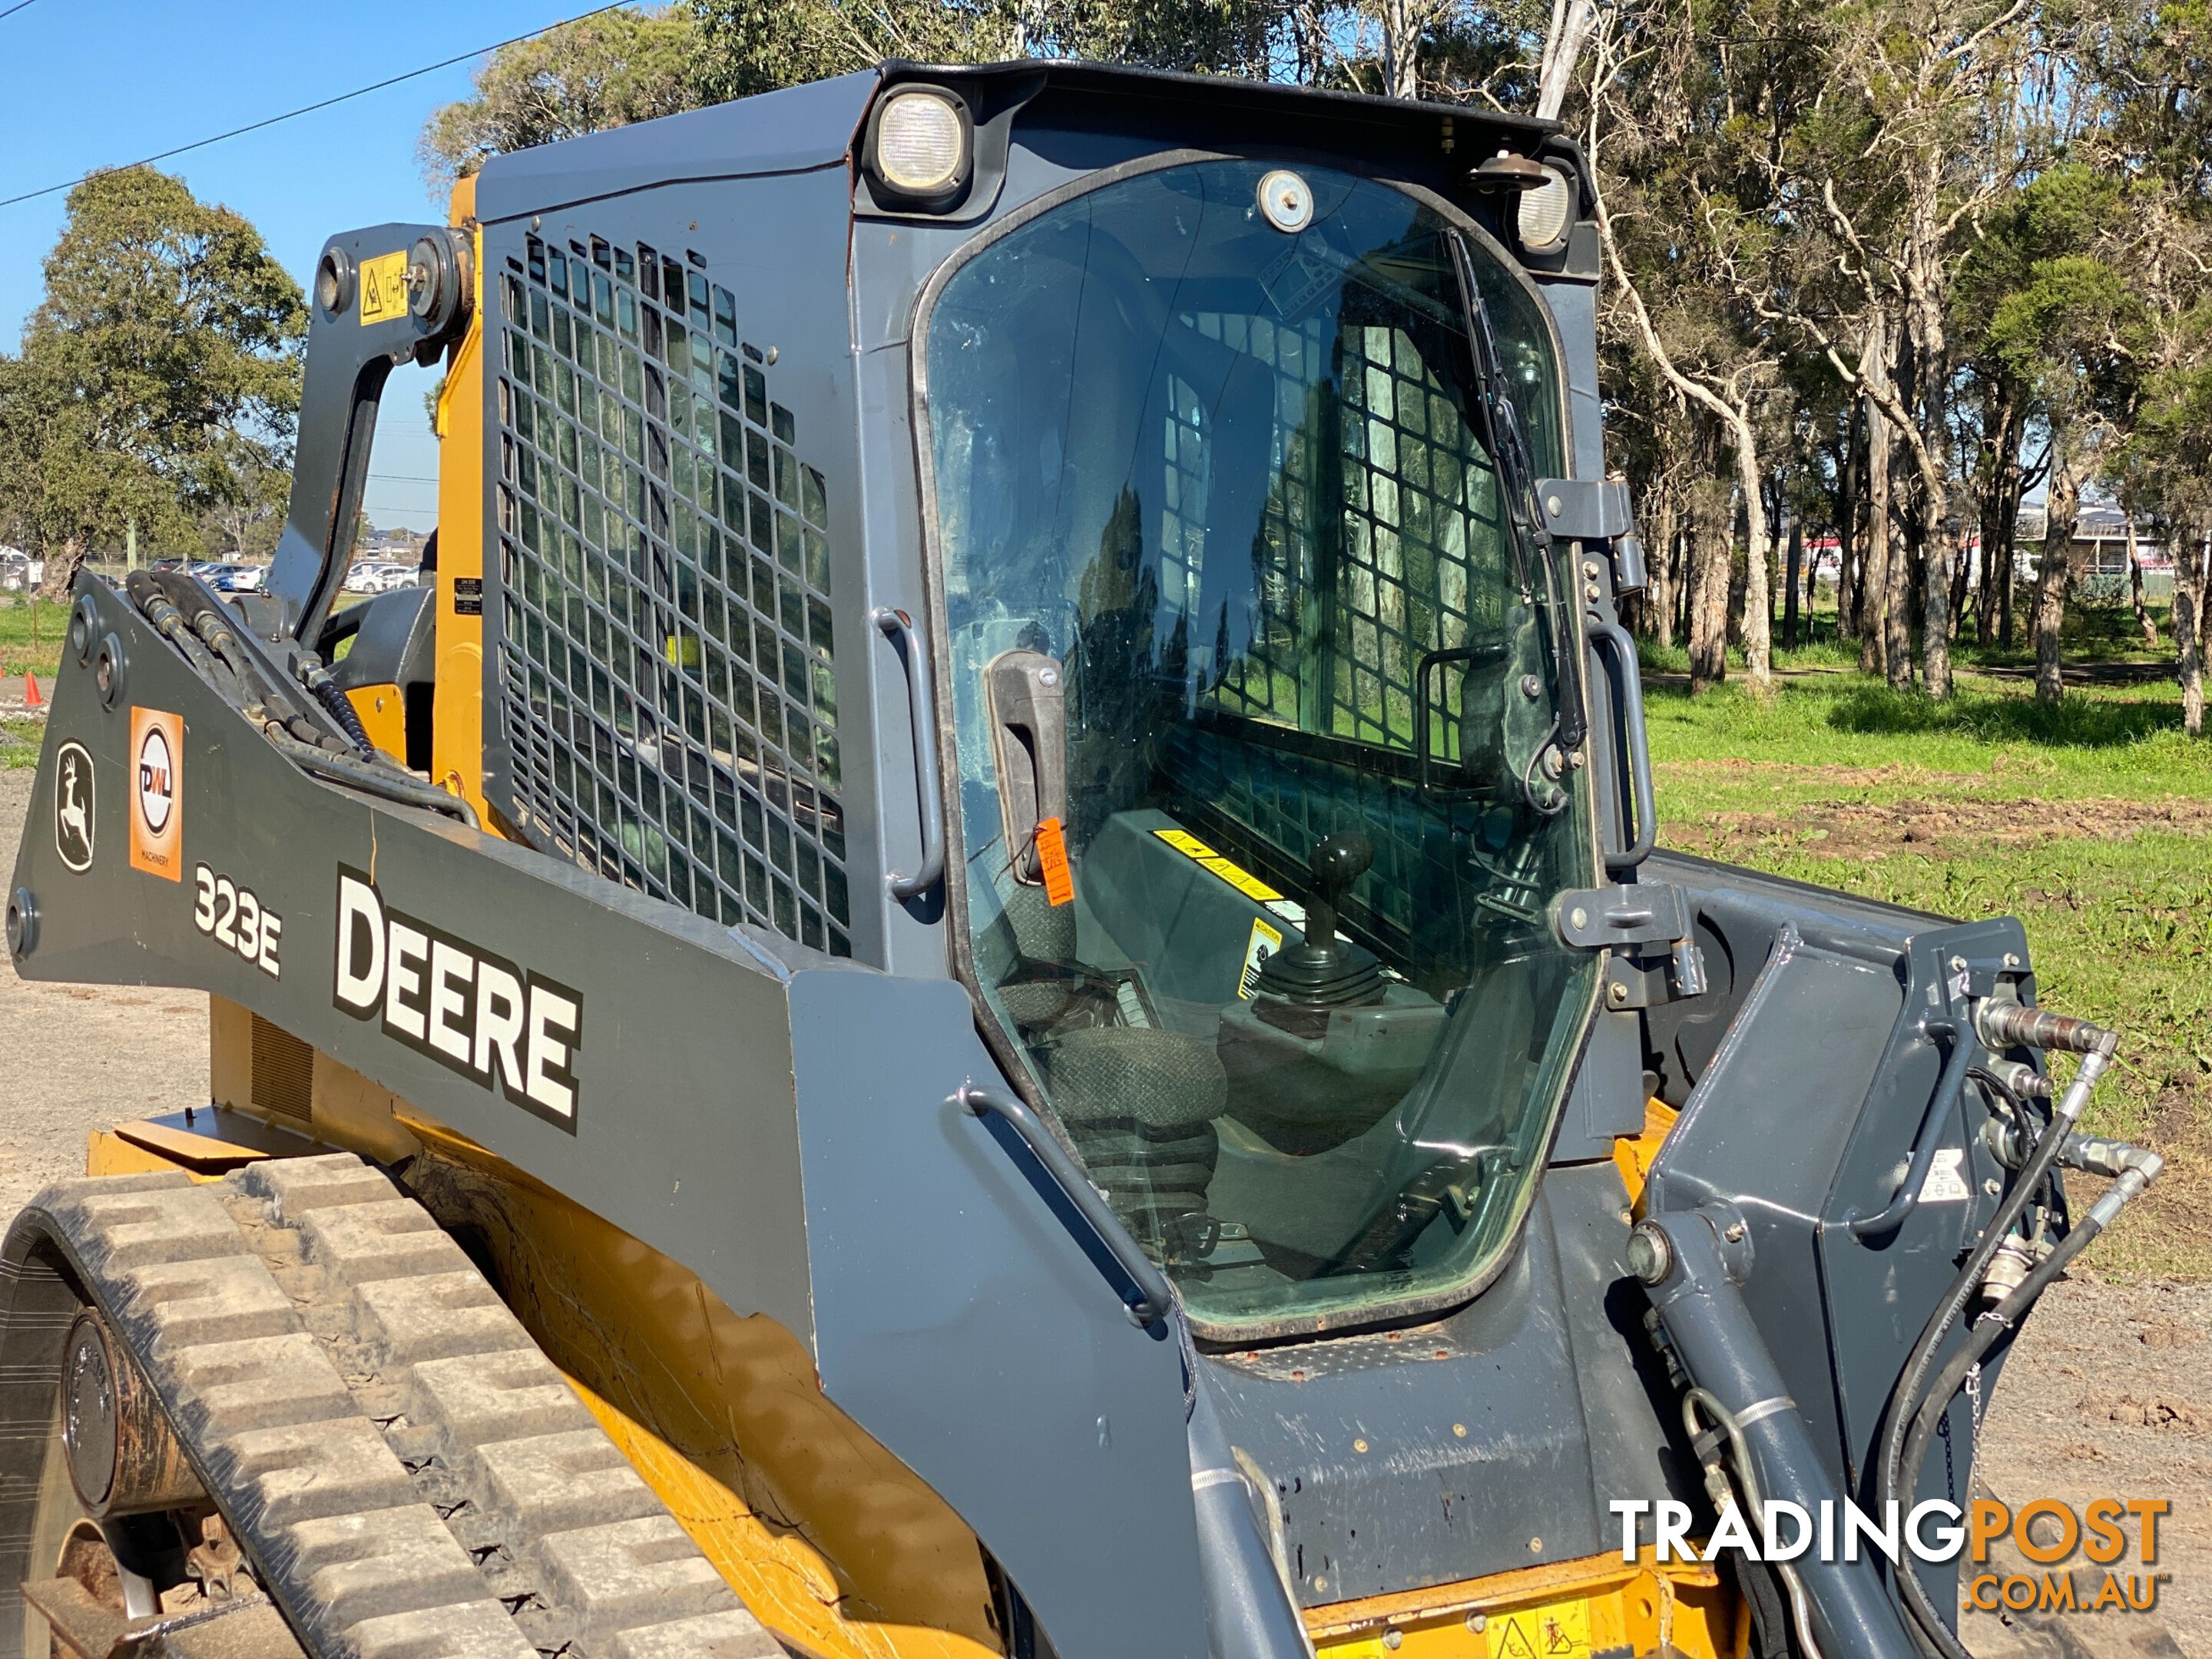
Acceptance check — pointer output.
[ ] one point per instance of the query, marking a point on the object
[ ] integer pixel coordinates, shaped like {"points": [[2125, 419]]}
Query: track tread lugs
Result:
{"points": [[374, 1419]]}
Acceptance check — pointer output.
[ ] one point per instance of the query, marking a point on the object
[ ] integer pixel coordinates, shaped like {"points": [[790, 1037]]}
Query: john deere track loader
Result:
{"points": [[983, 971]]}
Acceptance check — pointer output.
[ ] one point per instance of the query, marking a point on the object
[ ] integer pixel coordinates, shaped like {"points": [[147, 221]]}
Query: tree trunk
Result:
{"points": [[1794, 576], [1758, 551], [2008, 578], [1935, 602], [2190, 563], [62, 567], [1873, 605], [1897, 645], [2053, 576], [1848, 585], [2135, 591], [1663, 569], [1962, 572], [1401, 46], [1709, 585]]}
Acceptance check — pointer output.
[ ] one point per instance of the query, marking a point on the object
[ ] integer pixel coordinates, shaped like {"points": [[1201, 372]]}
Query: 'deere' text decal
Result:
{"points": [[512, 1031]]}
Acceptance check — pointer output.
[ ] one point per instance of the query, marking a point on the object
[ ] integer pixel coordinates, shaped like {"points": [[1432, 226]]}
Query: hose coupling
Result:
{"points": [[2008, 1268], [2011, 1024], [2132, 1182], [2022, 1078]]}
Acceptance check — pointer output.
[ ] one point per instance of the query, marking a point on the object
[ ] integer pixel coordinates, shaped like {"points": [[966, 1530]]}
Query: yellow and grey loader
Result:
{"points": [[981, 970]]}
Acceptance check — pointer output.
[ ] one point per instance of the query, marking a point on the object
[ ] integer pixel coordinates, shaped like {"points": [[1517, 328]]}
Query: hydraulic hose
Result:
{"points": [[1754, 1502], [143, 591], [2097, 1046], [378, 780], [332, 696], [1998, 1324]]}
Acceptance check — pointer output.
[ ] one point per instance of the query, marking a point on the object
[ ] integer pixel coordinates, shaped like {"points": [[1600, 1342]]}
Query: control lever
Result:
{"points": [[1029, 745], [1323, 968]]}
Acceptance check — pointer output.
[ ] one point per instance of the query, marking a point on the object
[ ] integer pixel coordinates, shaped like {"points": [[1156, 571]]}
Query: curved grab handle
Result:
{"points": [[1618, 646], [1159, 1295], [921, 708], [1940, 1104]]}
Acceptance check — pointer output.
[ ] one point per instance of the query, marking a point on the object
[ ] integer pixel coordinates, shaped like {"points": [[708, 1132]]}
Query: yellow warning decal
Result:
{"points": [[1554, 1632], [384, 287], [1235, 874], [1264, 942]]}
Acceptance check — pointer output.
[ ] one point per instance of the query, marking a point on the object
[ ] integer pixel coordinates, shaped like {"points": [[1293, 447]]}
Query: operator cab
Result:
{"points": [[1265, 696]]}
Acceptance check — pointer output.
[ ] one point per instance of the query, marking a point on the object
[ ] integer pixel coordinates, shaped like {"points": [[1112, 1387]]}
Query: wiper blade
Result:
{"points": [[1508, 442]]}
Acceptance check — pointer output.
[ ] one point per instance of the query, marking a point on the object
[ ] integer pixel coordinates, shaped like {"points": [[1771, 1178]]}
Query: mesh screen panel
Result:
{"points": [[665, 666], [1394, 477], [1418, 505]]}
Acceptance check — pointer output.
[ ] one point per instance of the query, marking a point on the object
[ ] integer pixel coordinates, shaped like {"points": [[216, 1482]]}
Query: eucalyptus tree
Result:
{"points": [[159, 377]]}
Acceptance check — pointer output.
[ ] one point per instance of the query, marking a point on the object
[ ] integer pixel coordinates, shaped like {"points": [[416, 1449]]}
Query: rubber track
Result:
{"points": [[410, 1476]]}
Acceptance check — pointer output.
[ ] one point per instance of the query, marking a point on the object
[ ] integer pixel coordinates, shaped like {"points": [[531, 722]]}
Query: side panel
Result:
{"points": [[682, 1126], [963, 1324], [1486, 1443], [1764, 1130], [678, 650]]}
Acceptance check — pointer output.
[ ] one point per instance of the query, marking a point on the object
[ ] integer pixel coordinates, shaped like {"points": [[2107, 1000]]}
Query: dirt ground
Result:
{"points": [[1963, 825], [78, 1057], [2109, 1394]]}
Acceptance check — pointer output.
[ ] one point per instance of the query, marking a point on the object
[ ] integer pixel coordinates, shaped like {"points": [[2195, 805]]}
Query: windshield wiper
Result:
{"points": [[1508, 443]]}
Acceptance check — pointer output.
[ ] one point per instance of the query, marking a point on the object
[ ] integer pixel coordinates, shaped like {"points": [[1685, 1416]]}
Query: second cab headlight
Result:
{"points": [[921, 141]]}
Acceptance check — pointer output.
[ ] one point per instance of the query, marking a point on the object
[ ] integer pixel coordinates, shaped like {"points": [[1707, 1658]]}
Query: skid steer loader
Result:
{"points": [[982, 971]]}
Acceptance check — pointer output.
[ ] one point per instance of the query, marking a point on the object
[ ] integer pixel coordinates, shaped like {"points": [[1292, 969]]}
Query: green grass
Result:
{"points": [[20, 741], [2091, 822], [31, 636]]}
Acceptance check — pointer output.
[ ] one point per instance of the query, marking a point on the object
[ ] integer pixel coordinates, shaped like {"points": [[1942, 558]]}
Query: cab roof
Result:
{"points": [[804, 128]]}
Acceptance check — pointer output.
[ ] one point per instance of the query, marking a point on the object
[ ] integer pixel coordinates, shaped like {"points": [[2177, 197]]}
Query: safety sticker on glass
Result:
{"points": [[1264, 942], [1052, 863]]}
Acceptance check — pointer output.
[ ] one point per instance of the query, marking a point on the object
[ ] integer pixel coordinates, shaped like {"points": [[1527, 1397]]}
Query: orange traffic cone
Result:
{"points": [[32, 698]]}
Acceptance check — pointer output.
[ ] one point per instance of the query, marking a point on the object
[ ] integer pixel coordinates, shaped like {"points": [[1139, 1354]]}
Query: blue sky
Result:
{"points": [[94, 84]]}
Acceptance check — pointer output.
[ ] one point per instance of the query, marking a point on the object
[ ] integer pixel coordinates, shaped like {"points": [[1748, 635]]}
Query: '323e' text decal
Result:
{"points": [[510, 1031]]}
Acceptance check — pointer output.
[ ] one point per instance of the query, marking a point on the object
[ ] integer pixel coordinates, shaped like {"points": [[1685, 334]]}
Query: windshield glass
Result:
{"points": [[1260, 805]]}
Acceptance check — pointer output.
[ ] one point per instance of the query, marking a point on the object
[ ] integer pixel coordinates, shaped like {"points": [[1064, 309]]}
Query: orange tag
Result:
{"points": [[1052, 861]]}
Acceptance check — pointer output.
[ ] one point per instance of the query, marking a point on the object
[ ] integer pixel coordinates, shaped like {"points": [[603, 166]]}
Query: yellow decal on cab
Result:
{"points": [[1235, 874]]}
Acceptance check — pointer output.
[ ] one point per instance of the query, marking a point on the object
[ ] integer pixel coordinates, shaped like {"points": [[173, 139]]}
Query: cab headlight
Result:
{"points": [[921, 145], [1542, 216]]}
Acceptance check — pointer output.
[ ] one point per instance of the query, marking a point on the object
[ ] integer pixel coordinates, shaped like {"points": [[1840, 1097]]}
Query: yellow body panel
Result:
{"points": [[1562, 1610], [106, 1153], [1633, 1158], [383, 714], [835, 1544], [457, 719]]}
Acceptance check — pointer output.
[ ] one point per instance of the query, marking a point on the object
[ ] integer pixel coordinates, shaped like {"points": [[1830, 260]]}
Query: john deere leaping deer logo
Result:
{"points": [[73, 830]]}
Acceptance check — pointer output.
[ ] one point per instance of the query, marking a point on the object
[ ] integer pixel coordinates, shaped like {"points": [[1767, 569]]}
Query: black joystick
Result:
{"points": [[1324, 969]]}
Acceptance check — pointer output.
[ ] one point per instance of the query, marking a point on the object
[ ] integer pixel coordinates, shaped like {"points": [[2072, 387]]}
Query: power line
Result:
{"points": [[13, 10], [307, 109]]}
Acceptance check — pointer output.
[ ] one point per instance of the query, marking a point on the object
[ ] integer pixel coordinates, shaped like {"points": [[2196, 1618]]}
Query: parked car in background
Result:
{"points": [[19, 571], [378, 576], [236, 578]]}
